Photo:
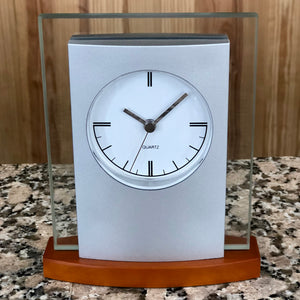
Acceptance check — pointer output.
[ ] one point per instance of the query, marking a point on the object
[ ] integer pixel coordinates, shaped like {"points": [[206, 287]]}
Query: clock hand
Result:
{"points": [[170, 108], [149, 124], [130, 113], [139, 151]]}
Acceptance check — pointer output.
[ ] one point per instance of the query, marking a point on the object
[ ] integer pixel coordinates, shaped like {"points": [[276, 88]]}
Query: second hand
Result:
{"points": [[139, 151]]}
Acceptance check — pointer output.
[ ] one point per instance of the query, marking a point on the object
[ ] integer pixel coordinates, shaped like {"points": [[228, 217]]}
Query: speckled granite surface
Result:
{"points": [[25, 226]]}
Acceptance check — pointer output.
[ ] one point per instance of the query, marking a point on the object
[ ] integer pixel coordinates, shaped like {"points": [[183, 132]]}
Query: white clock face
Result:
{"points": [[149, 129]]}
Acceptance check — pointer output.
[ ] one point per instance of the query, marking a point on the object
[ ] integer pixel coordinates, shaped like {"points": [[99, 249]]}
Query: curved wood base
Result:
{"points": [[236, 265]]}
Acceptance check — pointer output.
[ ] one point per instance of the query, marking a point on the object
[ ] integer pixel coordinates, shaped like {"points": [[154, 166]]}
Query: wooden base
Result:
{"points": [[236, 265]]}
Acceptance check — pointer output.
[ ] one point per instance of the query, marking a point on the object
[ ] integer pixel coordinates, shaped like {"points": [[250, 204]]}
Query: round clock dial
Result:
{"points": [[149, 129]]}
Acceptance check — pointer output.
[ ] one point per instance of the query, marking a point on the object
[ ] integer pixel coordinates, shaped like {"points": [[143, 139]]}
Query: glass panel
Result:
{"points": [[55, 32]]}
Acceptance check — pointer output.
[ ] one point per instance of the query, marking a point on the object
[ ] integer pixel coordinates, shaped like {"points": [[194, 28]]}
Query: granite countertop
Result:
{"points": [[25, 226]]}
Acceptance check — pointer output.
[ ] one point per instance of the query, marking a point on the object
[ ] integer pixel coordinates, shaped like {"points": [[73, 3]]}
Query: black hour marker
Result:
{"points": [[174, 164], [106, 147], [150, 168], [194, 148], [125, 165], [149, 79], [198, 124], [105, 124]]}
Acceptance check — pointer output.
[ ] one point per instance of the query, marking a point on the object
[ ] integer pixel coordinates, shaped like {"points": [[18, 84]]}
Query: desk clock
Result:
{"points": [[149, 120]]}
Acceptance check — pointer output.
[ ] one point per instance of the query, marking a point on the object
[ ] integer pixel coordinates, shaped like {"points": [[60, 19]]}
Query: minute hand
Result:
{"points": [[170, 108]]}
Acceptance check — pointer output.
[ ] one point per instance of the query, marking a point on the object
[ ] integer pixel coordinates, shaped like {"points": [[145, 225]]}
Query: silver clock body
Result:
{"points": [[184, 221]]}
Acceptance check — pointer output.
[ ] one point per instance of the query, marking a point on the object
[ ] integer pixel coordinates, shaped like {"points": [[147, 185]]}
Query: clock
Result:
{"points": [[149, 122], [149, 129]]}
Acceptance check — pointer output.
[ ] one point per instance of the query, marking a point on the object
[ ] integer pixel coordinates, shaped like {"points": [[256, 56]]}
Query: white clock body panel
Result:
{"points": [[172, 208]]}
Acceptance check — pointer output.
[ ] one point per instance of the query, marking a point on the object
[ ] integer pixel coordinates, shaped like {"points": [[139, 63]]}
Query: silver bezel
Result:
{"points": [[140, 181]]}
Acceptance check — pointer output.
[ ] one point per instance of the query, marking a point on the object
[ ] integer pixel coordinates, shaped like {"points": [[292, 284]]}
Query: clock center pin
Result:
{"points": [[149, 125]]}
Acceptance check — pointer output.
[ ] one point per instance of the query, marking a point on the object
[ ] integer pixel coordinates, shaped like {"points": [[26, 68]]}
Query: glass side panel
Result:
{"points": [[55, 32]]}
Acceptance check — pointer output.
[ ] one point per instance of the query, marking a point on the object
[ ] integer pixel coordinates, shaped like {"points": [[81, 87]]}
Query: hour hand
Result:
{"points": [[133, 115]]}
